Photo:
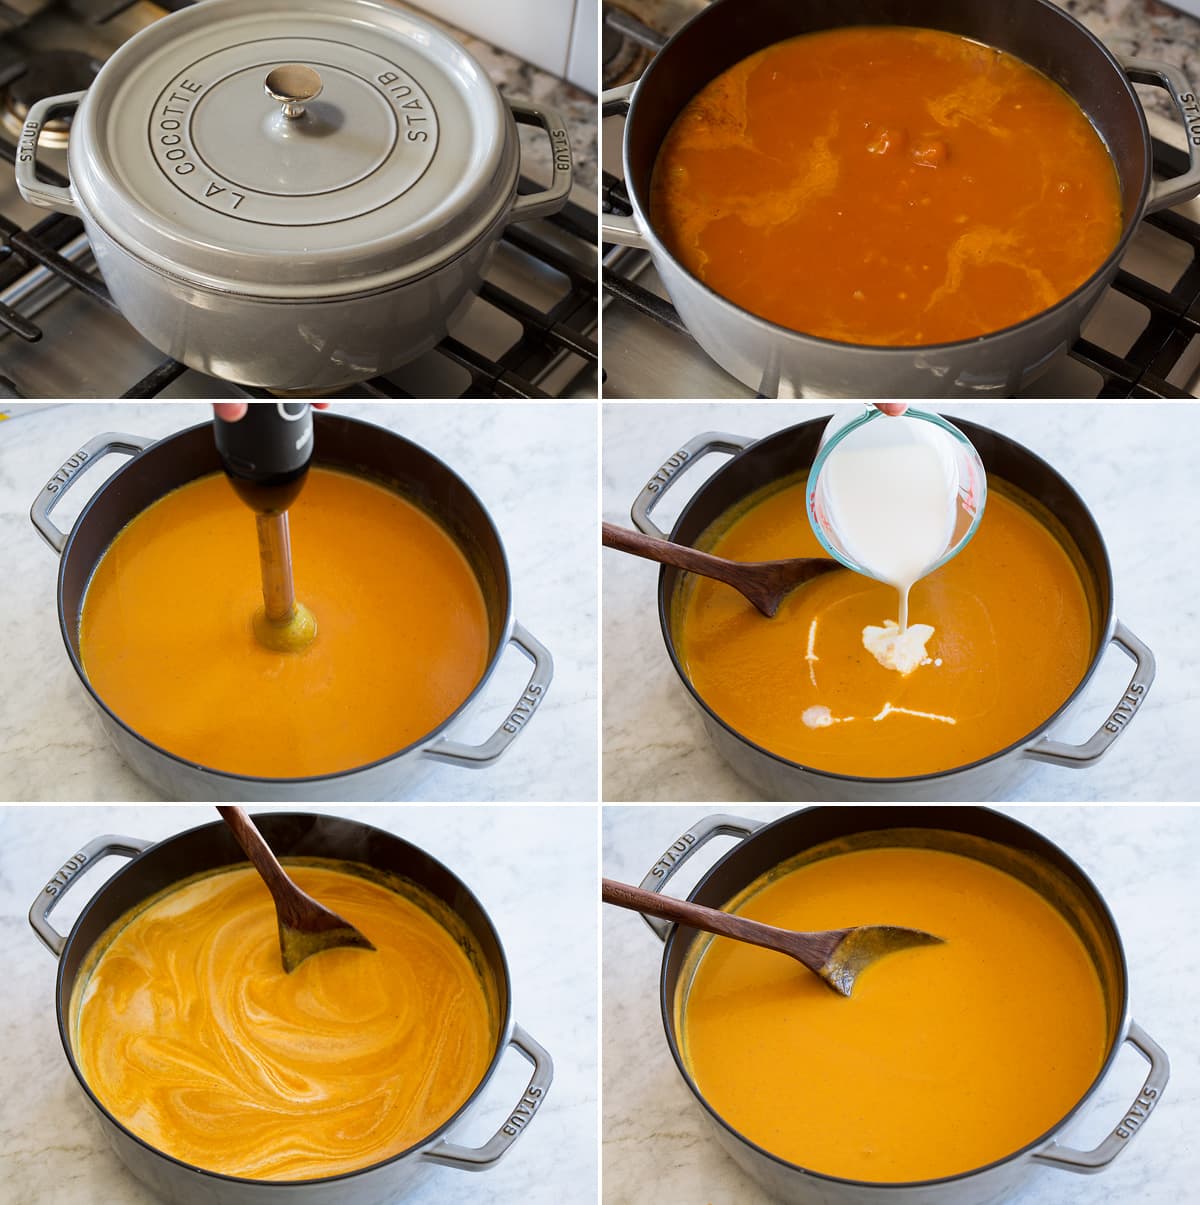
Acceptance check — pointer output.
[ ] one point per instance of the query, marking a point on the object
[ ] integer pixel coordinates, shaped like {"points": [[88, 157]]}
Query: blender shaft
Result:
{"points": [[275, 561]]}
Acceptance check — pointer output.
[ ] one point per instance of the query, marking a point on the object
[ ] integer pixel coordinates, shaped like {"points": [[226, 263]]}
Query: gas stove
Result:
{"points": [[529, 334], [1141, 341]]}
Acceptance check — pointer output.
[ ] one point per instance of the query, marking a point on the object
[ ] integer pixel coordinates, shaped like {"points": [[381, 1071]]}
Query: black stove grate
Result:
{"points": [[556, 341], [1142, 372]]}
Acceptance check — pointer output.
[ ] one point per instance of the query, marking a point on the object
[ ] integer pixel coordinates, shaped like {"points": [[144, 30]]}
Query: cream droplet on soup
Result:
{"points": [[901, 650]]}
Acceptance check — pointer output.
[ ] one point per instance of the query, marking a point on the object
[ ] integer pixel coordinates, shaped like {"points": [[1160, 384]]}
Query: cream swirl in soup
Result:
{"points": [[191, 1034]]}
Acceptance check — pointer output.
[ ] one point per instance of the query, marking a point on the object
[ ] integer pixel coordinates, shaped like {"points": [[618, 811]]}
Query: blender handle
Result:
{"points": [[676, 854], [673, 468], [66, 877], [1062, 753], [91, 453]]}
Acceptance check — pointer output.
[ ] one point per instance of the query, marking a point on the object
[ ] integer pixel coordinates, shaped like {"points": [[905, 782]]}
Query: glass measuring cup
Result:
{"points": [[874, 430]]}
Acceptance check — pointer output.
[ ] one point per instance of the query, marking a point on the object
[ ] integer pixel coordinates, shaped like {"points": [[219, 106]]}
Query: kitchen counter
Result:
{"points": [[1133, 464], [533, 467], [522, 81], [1145, 29], [52, 1150], [1143, 861]]}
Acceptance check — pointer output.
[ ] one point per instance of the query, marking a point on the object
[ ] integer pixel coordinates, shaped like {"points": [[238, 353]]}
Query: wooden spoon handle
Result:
{"points": [[664, 552], [711, 920], [288, 898]]}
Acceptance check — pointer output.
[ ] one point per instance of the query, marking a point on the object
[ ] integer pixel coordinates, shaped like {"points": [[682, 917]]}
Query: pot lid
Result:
{"points": [[261, 148]]}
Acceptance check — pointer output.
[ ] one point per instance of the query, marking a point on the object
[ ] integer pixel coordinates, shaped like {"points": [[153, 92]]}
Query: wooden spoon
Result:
{"points": [[305, 927], [764, 583], [838, 956]]}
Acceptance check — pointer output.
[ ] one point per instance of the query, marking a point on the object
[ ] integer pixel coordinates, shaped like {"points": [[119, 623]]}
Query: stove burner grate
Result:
{"points": [[545, 338]]}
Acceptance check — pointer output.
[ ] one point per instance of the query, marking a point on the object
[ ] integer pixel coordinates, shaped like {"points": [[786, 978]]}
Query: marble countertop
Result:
{"points": [[52, 1150], [1142, 860], [1145, 29], [522, 81], [1133, 464], [532, 465]]}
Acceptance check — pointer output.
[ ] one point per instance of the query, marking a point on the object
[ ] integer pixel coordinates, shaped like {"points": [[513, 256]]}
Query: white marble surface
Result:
{"points": [[1134, 466], [1143, 862], [532, 868], [533, 465]]}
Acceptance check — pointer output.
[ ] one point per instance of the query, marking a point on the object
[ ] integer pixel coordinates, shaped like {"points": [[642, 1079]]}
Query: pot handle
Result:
{"points": [[91, 453], [1060, 753], [1101, 1156], [696, 837], [1165, 193], [64, 880], [48, 196], [456, 753], [617, 227], [480, 1158], [673, 468], [550, 200]]}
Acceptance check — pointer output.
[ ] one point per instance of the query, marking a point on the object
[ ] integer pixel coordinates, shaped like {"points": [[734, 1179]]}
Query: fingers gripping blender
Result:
{"points": [[266, 455]]}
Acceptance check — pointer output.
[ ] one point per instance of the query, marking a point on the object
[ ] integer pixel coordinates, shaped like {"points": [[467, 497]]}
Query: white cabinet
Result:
{"points": [[538, 31], [582, 56]]}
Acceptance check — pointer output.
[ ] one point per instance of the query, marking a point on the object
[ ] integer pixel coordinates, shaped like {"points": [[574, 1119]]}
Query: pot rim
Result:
{"points": [[900, 811], [906, 352], [1105, 631], [427, 1140], [505, 629]]}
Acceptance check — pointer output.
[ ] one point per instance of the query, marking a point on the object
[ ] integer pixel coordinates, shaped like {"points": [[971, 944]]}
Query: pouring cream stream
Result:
{"points": [[892, 497]]}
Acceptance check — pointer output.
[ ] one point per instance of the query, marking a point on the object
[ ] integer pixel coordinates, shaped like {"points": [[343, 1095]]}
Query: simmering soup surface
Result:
{"points": [[945, 1057], [191, 1034], [402, 629], [1012, 639], [886, 185]]}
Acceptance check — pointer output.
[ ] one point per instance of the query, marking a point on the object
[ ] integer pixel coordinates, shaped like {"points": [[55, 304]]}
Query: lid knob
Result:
{"points": [[291, 85]]}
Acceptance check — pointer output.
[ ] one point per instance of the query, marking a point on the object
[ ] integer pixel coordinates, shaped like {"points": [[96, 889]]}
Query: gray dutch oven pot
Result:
{"points": [[361, 448], [156, 866], [297, 247], [778, 362], [756, 463], [762, 847]]}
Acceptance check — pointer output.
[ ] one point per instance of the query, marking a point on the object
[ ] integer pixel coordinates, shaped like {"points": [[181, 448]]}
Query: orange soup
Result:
{"points": [[886, 185], [945, 1057], [402, 629], [1013, 637], [190, 1033]]}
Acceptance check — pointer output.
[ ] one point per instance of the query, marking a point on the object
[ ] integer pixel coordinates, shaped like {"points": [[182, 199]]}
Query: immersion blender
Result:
{"points": [[265, 455]]}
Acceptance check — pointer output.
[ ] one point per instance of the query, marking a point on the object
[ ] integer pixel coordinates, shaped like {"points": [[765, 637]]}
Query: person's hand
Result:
{"points": [[892, 408], [232, 411]]}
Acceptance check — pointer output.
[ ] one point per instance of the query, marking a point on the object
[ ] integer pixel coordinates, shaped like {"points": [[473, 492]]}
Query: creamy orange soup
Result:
{"points": [[886, 185], [190, 1033], [402, 629], [944, 1058], [1013, 637]]}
